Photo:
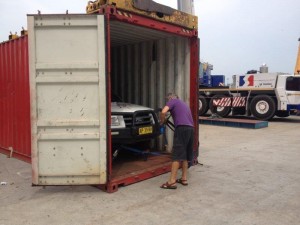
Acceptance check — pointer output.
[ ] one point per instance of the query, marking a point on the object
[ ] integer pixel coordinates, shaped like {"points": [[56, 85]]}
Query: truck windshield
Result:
{"points": [[293, 84], [115, 98]]}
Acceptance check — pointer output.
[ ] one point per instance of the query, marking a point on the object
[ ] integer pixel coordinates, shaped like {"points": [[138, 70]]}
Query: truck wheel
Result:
{"points": [[219, 110], [282, 114], [262, 107], [203, 105]]}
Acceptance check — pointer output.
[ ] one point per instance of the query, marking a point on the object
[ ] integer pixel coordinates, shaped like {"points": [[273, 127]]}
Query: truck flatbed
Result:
{"points": [[235, 89]]}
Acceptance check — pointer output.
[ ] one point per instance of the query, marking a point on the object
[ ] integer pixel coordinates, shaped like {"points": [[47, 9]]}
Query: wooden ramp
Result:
{"points": [[233, 122]]}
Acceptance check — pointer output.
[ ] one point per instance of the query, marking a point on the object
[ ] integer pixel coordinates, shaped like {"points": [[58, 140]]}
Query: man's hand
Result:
{"points": [[163, 115]]}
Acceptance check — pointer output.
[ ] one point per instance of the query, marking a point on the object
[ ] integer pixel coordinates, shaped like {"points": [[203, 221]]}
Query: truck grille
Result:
{"points": [[140, 119], [128, 120]]}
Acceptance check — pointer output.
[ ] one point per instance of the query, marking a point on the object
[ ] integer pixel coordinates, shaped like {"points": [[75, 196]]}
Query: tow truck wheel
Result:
{"points": [[203, 105], [262, 107], [219, 110]]}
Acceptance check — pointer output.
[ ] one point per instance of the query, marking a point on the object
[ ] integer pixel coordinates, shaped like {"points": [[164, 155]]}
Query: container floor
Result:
{"points": [[132, 168], [130, 165]]}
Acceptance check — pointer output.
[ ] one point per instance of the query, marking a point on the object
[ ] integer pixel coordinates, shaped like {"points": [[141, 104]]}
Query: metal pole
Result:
{"points": [[186, 6]]}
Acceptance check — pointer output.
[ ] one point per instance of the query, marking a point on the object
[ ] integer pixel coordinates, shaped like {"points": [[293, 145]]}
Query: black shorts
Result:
{"points": [[183, 143]]}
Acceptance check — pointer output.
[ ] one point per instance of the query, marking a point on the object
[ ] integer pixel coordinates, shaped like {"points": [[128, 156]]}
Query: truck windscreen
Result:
{"points": [[293, 84]]}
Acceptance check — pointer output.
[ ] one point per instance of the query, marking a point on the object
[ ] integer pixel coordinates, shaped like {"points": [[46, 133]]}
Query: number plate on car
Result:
{"points": [[145, 130]]}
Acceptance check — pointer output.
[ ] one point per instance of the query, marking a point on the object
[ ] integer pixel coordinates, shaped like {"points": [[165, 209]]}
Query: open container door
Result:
{"points": [[68, 99]]}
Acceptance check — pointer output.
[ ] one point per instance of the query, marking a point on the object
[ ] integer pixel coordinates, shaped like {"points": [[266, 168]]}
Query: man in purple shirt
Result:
{"points": [[182, 152]]}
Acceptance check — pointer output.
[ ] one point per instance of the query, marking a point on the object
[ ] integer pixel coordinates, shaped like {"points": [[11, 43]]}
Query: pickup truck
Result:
{"points": [[132, 123]]}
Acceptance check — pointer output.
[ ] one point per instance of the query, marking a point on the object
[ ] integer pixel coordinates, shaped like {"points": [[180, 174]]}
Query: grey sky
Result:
{"points": [[236, 35]]}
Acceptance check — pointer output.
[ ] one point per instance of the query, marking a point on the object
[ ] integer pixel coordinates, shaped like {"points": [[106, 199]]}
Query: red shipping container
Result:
{"points": [[14, 99]]}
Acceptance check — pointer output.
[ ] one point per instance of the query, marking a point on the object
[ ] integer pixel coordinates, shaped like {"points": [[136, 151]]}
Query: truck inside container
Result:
{"points": [[146, 64]]}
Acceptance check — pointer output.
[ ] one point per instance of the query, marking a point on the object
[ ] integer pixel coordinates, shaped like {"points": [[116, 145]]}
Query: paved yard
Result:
{"points": [[247, 177]]}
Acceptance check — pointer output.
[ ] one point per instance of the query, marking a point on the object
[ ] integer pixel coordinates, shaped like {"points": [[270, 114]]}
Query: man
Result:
{"points": [[183, 139]]}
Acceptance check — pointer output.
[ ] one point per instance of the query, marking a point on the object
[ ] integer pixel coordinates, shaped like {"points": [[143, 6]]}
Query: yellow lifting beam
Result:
{"points": [[148, 8]]}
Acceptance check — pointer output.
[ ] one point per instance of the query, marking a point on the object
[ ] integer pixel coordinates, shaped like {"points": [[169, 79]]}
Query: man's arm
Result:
{"points": [[163, 114]]}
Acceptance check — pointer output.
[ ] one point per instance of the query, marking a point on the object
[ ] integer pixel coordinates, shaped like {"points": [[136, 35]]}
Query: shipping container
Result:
{"points": [[206, 80], [14, 99], [217, 80], [75, 63]]}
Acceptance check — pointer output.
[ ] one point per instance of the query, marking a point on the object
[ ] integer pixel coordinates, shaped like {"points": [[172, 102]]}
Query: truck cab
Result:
{"points": [[288, 92]]}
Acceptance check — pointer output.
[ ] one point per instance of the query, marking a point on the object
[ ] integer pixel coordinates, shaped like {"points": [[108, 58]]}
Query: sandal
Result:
{"points": [[181, 181], [168, 186]]}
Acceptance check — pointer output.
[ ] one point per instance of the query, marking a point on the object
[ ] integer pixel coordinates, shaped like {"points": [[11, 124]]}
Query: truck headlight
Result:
{"points": [[115, 121]]}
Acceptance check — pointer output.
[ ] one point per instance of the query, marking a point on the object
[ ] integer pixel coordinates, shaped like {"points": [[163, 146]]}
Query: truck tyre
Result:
{"points": [[219, 110], [203, 105], [262, 107], [282, 114]]}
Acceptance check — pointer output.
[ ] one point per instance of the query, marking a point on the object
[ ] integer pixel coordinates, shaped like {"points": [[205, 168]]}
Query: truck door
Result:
{"points": [[68, 99], [293, 90]]}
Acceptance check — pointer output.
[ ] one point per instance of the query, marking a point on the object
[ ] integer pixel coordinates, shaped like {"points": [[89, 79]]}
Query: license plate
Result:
{"points": [[145, 130]]}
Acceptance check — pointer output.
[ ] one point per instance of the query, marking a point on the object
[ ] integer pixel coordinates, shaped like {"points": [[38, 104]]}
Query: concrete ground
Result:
{"points": [[247, 177]]}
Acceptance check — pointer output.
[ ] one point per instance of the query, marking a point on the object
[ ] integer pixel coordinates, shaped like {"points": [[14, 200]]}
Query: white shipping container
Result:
{"points": [[76, 61]]}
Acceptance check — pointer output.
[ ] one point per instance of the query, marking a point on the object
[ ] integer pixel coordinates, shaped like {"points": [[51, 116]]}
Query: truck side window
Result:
{"points": [[293, 84]]}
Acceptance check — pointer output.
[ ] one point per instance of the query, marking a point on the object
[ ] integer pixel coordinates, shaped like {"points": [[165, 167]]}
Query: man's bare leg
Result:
{"points": [[184, 170], [174, 168]]}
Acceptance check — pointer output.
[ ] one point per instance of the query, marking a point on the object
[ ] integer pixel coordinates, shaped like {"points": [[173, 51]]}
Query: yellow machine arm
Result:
{"points": [[297, 67], [147, 8]]}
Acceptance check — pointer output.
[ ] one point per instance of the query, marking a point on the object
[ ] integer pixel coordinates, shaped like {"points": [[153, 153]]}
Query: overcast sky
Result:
{"points": [[236, 35]]}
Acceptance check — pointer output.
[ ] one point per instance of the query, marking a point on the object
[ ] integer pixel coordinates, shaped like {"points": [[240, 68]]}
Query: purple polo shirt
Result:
{"points": [[180, 112]]}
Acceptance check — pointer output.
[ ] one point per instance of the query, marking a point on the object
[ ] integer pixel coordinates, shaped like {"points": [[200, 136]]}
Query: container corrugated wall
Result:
{"points": [[144, 73], [14, 99]]}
